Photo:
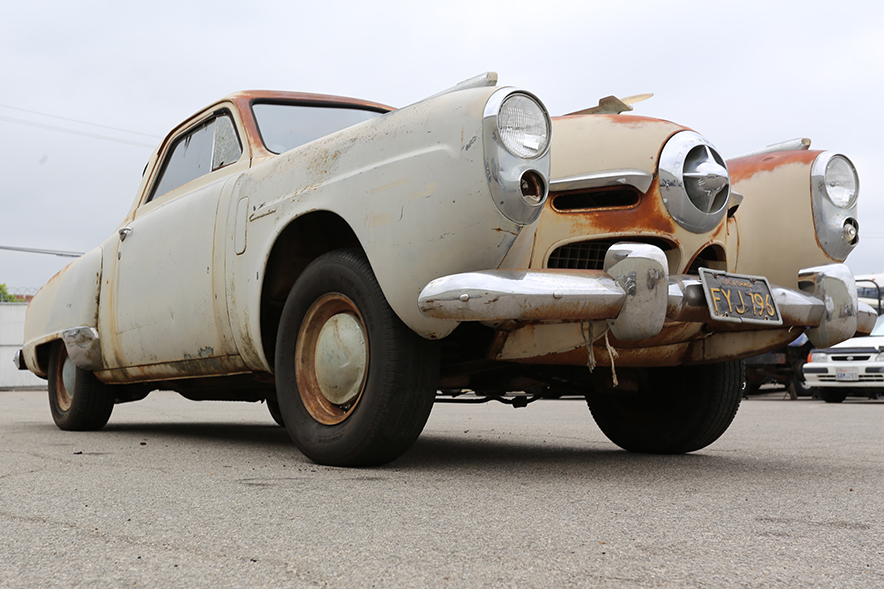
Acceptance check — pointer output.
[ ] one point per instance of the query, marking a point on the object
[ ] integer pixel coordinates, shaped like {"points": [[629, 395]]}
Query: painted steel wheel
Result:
{"points": [[78, 401], [355, 385], [675, 410]]}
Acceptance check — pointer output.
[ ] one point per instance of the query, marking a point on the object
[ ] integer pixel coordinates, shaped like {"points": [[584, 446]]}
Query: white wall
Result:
{"points": [[12, 327]]}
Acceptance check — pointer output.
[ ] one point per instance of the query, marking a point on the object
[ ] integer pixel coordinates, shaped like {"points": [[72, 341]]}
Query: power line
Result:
{"points": [[29, 250], [43, 114], [73, 132]]}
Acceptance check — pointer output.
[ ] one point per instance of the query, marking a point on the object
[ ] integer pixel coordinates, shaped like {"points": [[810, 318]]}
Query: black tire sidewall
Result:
{"points": [[679, 409], [382, 425], [91, 406]]}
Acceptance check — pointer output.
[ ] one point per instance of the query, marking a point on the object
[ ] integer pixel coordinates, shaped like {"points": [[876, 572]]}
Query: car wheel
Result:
{"points": [[832, 395], [675, 410], [275, 413], [800, 387], [355, 384], [78, 400]]}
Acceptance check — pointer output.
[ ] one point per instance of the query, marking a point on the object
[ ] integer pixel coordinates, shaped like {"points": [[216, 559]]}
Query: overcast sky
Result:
{"points": [[745, 74]]}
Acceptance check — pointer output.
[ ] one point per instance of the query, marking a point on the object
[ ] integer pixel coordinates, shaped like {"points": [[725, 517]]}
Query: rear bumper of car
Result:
{"points": [[636, 294]]}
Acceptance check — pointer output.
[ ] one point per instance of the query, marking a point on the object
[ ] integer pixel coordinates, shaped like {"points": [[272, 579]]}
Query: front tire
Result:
{"points": [[355, 384], [78, 401], [676, 410], [832, 395]]}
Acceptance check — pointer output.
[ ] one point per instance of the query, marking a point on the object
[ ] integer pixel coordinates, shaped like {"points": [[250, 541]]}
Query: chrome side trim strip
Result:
{"points": [[638, 179]]}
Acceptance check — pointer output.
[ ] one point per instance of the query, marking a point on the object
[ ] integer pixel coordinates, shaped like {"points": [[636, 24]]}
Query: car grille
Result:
{"points": [[590, 255], [862, 378], [851, 358], [581, 255]]}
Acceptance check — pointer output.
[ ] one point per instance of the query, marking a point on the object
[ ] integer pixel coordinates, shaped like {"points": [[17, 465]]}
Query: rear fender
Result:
{"points": [[69, 300]]}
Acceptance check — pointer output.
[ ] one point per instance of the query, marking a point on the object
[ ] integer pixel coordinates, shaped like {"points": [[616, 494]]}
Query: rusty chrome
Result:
{"points": [[826, 303], [19, 360], [639, 179], [505, 170], [642, 272], [497, 295], [831, 219], [83, 346], [866, 317], [331, 359], [694, 182], [835, 286]]}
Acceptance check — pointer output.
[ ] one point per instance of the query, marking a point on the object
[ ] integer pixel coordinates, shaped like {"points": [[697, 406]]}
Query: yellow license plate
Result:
{"points": [[738, 298]]}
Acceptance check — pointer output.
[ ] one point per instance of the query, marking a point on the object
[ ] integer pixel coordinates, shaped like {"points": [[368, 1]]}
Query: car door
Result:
{"points": [[168, 303]]}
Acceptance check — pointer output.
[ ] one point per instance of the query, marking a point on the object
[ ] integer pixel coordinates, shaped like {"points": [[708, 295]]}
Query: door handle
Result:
{"points": [[124, 232]]}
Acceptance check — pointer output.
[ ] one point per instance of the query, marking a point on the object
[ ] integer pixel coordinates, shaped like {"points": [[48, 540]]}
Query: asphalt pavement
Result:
{"points": [[174, 493]]}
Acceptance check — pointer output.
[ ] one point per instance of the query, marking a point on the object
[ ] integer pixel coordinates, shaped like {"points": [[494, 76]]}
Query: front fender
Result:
{"points": [[69, 300], [777, 232]]}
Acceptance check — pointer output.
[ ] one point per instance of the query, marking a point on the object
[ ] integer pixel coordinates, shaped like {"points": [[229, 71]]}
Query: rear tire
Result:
{"points": [[676, 410], [78, 401], [355, 384]]}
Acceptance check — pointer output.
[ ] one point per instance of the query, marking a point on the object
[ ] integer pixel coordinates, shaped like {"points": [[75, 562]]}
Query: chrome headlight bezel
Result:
{"points": [[834, 217], [694, 182], [519, 185]]}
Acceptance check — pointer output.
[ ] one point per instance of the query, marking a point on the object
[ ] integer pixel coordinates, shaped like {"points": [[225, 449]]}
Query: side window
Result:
{"points": [[206, 148]]}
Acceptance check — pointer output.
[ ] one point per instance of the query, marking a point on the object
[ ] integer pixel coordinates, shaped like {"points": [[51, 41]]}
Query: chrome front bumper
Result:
{"points": [[636, 294]]}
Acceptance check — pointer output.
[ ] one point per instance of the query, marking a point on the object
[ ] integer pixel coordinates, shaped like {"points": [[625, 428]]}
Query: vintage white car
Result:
{"points": [[350, 264]]}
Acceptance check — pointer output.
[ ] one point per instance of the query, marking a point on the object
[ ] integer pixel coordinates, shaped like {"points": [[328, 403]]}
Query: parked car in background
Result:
{"points": [[851, 368], [349, 263]]}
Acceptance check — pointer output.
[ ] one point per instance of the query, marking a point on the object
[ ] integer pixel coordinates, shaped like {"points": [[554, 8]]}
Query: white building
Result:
{"points": [[12, 327]]}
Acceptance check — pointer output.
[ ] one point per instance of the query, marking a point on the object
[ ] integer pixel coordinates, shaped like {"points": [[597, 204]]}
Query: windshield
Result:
{"points": [[287, 126]]}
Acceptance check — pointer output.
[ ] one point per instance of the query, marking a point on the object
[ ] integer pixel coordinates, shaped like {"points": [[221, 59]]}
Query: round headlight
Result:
{"points": [[841, 182], [834, 191], [523, 126]]}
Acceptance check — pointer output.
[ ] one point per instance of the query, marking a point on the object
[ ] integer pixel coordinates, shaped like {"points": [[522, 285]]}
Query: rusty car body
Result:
{"points": [[350, 264]]}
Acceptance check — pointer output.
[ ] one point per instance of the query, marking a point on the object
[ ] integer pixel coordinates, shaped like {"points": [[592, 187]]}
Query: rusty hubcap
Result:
{"points": [[331, 358], [65, 382]]}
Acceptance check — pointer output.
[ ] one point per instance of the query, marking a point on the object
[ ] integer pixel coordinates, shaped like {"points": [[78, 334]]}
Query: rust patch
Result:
{"points": [[649, 215], [668, 355], [745, 167]]}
